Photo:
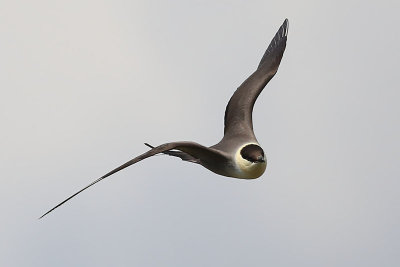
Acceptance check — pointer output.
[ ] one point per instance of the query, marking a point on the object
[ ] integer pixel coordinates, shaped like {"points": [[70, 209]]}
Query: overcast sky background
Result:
{"points": [[84, 83]]}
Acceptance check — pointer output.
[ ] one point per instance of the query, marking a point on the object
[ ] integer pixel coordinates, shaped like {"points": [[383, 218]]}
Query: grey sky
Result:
{"points": [[84, 83]]}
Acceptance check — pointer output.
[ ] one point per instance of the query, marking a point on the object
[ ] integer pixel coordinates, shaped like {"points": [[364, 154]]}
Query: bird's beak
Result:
{"points": [[260, 159]]}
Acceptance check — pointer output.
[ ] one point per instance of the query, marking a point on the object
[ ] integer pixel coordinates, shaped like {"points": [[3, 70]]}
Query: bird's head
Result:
{"points": [[253, 153]]}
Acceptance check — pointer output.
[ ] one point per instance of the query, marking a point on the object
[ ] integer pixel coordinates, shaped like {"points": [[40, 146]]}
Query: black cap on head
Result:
{"points": [[252, 153]]}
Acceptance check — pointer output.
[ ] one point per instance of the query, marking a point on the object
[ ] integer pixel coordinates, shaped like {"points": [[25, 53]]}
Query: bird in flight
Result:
{"points": [[238, 154]]}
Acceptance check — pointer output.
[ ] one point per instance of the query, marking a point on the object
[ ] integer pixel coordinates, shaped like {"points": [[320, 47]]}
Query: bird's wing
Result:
{"points": [[196, 150], [238, 113], [182, 155]]}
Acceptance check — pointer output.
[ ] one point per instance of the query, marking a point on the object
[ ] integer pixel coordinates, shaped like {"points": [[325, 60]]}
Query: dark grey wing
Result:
{"points": [[238, 113], [194, 149], [182, 155]]}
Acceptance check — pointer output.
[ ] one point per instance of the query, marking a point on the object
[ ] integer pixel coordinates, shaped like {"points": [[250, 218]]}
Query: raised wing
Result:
{"points": [[238, 113], [193, 149]]}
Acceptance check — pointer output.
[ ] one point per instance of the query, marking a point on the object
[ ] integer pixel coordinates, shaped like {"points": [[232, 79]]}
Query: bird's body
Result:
{"points": [[231, 163], [238, 154]]}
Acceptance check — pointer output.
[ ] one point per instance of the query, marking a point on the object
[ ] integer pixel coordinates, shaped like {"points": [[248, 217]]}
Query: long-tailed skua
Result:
{"points": [[238, 154]]}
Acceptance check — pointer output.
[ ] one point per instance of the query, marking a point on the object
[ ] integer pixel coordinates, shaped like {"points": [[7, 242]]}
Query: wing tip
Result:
{"points": [[46, 213], [279, 40], [285, 28], [286, 21]]}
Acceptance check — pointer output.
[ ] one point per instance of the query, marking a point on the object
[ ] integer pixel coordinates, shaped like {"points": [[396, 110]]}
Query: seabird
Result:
{"points": [[238, 154]]}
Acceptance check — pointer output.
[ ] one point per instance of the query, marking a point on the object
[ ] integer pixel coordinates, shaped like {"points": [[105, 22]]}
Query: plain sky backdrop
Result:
{"points": [[84, 83]]}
